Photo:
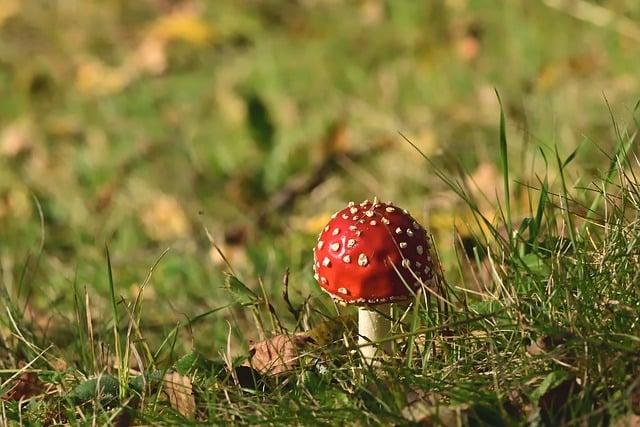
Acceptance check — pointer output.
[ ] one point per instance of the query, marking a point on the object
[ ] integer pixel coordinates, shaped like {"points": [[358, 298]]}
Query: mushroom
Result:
{"points": [[372, 255]]}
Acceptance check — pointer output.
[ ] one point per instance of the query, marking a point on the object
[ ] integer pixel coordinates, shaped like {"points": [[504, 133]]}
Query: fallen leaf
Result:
{"points": [[427, 411], [181, 25], [15, 203], [628, 420], [311, 224], [179, 390], [96, 78], [15, 139], [151, 56], [635, 401], [27, 385], [278, 354], [336, 141], [8, 8], [164, 219]]}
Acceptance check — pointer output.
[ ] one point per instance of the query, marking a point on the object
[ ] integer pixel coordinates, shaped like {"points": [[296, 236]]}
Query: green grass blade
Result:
{"points": [[120, 363], [504, 159]]}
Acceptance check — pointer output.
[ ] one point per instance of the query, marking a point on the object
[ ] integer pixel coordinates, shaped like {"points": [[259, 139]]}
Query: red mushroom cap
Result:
{"points": [[372, 253]]}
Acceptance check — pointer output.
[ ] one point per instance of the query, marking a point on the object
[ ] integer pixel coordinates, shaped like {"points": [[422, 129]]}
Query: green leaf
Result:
{"points": [[535, 263], [241, 292], [553, 380], [105, 388], [196, 362], [259, 120]]}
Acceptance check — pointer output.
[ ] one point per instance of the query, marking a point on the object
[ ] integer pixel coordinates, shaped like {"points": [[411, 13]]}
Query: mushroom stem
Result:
{"points": [[374, 324]]}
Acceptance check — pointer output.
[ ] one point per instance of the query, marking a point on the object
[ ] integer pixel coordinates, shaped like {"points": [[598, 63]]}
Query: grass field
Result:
{"points": [[164, 164]]}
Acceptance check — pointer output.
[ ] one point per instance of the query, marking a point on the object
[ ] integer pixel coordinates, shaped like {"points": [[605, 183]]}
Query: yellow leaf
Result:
{"points": [[8, 8], [94, 77], [183, 26], [164, 219], [314, 223]]}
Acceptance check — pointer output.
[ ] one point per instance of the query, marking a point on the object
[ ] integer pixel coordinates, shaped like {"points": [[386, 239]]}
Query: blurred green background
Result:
{"points": [[138, 123]]}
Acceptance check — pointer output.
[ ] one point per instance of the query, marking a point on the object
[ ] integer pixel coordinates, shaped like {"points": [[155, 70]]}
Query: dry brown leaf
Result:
{"points": [[629, 420], [179, 390], [151, 56], [27, 385], [15, 138], [15, 203], [427, 410], [164, 219], [96, 78], [278, 354]]}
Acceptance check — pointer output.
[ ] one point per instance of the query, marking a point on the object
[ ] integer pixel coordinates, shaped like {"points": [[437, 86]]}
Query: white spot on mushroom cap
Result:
{"points": [[385, 221], [346, 259], [398, 230], [409, 232], [353, 210], [326, 262], [320, 244], [323, 280], [334, 215], [353, 228], [419, 249], [345, 216], [335, 246], [373, 222], [406, 263], [403, 245], [336, 231], [326, 228], [366, 202], [351, 243], [415, 225], [316, 276], [369, 213], [351, 204], [389, 209], [363, 260], [343, 291]]}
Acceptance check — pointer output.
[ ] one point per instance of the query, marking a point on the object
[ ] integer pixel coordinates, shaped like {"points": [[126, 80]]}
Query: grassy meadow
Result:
{"points": [[166, 167]]}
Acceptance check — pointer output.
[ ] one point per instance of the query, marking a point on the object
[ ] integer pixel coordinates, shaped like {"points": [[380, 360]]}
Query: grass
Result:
{"points": [[228, 133], [551, 337]]}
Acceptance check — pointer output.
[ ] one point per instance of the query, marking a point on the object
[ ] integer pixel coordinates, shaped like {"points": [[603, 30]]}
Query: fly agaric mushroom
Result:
{"points": [[372, 255]]}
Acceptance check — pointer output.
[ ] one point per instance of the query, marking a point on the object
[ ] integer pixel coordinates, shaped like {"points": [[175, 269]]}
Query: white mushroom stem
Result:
{"points": [[374, 324]]}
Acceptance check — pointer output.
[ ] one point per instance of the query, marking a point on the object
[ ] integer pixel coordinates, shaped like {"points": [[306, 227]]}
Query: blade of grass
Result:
{"points": [[120, 363], [504, 159]]}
